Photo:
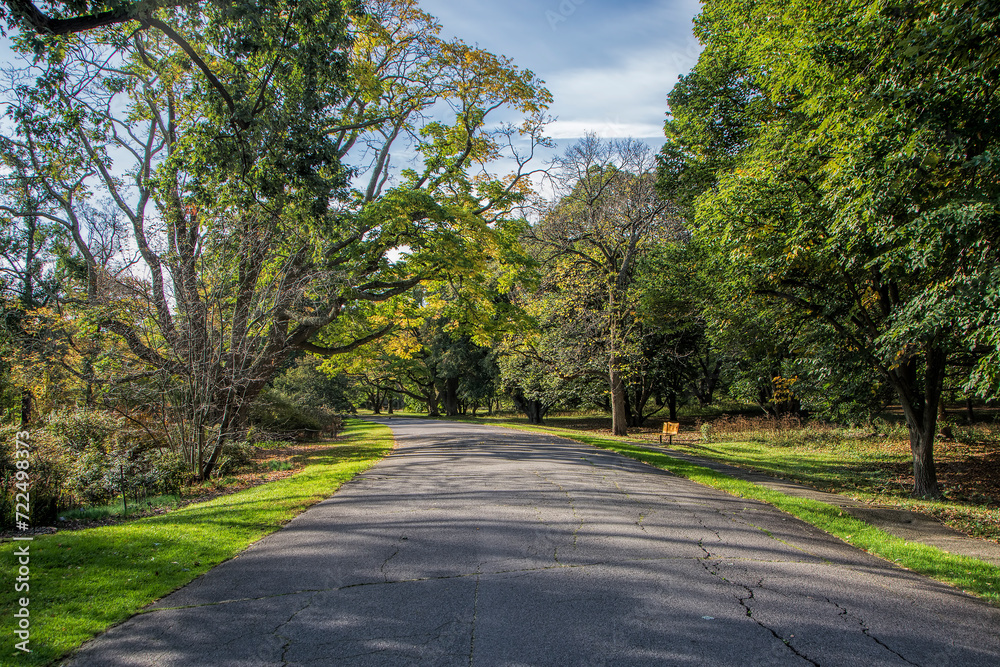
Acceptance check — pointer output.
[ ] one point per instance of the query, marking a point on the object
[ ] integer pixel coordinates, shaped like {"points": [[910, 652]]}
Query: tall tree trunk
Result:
{"points": [[920, 411], [706, 390], [27, 405], [629, 409], [536, 411], [619, 409], [532, 408], [672, 405], [451, 396], [431, 396]]}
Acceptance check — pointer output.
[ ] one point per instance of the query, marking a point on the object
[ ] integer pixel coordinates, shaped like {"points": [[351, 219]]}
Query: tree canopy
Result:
{"points": [[834, 156]]}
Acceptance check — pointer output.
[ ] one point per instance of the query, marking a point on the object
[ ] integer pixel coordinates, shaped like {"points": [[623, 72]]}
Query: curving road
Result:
{"points": [[475, 545]]}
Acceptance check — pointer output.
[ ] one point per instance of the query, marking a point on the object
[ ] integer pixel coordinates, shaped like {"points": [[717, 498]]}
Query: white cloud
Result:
{"points": [[624, 98], [605, 129]]}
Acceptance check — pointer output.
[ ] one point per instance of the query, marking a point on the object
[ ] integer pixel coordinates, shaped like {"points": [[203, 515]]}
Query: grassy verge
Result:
{"points": [[969, 574], [82, 582], [871, 471]]}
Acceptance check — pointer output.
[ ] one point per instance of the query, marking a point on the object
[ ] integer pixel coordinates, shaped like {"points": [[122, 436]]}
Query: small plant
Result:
{"points": [[706, 432], [236, 457], [275, 465]]}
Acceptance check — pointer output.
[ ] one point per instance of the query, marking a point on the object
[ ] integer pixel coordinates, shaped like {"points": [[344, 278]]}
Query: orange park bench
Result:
{"points": [[670, 429]]}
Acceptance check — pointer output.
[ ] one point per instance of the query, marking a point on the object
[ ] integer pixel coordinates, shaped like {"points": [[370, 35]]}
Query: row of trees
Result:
{"points": [[836, 161]]}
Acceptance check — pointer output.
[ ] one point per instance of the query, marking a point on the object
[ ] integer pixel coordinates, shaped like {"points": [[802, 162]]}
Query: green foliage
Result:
{"points": [[273, 412], [108, 457], [119, 509], [248, 152], [837, 169], [237, 457], [81, 430], [605, 217], [47, 474], [304, 385]]}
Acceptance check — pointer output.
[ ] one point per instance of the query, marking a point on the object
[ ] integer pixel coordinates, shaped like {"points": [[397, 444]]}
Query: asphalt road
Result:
{"points": [[473, 545]]}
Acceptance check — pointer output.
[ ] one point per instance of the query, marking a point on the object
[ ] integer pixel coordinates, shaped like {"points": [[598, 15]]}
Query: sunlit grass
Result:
{"points": [[84, 581]]}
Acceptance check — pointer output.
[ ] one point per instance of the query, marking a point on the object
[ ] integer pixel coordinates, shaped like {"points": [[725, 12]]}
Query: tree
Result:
{"points": [[605, 215], [228, 135], [830, 164]]}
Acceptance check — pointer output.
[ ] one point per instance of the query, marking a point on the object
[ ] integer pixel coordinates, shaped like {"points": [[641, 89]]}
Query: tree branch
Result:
{"points": [[330, 351]]}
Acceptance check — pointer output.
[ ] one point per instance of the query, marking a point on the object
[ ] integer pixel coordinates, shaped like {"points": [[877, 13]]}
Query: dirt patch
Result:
{"points": [[968, 472]]}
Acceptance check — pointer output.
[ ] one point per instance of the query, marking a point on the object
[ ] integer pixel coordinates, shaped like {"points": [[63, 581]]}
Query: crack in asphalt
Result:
{"points": [[642, 514], [288, 640], [843, 612], [478, 573], [718, 536], [475, 615], [572, 507], [385, 563], [745, 603], [743, 600], [866, 631]]}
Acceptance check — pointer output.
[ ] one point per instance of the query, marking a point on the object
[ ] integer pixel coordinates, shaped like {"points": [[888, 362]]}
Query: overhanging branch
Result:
{"points": [[330, 351]]}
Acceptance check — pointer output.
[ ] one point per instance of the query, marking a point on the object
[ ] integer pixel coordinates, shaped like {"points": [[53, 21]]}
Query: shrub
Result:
{"points": [[236, 457], [706, 432], [275, 413], [80, 430], [46, 477]]}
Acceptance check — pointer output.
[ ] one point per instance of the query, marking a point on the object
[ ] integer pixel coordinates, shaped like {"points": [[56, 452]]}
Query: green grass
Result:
{"points": [[865, 469], [829, 465], [969, 574], [84, 581]]}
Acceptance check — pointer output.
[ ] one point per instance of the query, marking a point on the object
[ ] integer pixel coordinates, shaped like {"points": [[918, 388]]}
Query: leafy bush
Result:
{"points": [[82, 430], [274, 412], [109, 457], [236, 457], [96, 478], [706, 432], [46, 476]]}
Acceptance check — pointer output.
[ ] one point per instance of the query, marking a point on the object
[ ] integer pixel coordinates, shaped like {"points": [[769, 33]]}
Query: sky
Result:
{"points": [[608, 63]]}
